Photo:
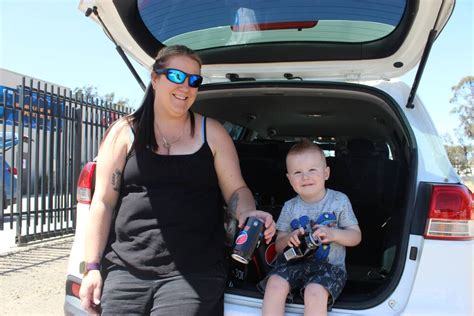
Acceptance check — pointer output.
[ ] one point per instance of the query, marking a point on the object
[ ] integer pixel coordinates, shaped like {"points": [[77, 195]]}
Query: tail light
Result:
{"points": [[73, 286], [12, 170], [85, 184], [451, 213]]}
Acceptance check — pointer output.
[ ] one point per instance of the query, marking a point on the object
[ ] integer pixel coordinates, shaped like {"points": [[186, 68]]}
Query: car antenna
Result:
{"points": [[119, 49]]}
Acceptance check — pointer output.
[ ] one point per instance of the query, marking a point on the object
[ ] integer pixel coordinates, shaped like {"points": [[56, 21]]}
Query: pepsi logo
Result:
{"points": [[242, 238]]}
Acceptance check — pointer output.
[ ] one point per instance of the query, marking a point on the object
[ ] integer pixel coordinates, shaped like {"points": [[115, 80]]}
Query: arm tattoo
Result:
{"points": [[116, 176], [232, 205]]}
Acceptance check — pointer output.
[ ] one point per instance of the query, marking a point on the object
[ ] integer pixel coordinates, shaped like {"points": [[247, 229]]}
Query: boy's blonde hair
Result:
{"points": [[305, 146]]}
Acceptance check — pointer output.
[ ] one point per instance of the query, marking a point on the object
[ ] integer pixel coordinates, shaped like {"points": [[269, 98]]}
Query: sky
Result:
{"points": [[53, 41]]}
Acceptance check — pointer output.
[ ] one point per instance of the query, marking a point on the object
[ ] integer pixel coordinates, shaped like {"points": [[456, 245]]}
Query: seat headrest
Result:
{"points": [[341, 149], [381, 150], [360, 147]]}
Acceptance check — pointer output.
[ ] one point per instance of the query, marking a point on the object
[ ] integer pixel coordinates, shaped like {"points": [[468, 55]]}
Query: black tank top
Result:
{"points": [[169, 216]]}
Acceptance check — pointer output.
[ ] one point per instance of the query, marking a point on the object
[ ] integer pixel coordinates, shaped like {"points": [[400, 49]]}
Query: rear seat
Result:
{"points": [[360, 169], [263, 169], [358, 172]]}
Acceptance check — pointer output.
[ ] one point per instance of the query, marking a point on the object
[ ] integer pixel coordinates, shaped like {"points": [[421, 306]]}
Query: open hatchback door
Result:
{"points": [[331, 39]]}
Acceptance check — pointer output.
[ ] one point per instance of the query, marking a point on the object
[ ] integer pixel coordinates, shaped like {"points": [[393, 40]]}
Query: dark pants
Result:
{"points": [[189, 294]]}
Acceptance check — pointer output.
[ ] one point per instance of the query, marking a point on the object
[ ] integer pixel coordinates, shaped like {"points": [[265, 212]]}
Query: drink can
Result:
{"points": [[248, 239]]}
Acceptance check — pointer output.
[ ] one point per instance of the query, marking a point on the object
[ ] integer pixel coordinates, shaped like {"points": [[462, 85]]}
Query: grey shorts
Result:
{"points": [[307, 270], [189, 294]]}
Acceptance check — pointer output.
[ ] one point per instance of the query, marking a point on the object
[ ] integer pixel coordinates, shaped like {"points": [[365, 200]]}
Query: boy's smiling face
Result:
{"points": [[307, 173]]}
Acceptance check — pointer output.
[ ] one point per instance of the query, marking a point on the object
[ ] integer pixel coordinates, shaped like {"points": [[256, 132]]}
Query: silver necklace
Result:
{"points": [[167, 144]]}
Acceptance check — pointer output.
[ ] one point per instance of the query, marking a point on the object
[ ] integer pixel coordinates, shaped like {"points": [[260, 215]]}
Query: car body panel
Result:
{"points": [[9, 141], [399, 301], [416, 294], [443, 283], [425, 282], [10, 182], [430, 14], [437, 168]]}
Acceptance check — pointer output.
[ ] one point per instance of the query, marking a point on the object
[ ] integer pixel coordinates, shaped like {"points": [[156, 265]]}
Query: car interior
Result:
{"points": [[366, 149]]}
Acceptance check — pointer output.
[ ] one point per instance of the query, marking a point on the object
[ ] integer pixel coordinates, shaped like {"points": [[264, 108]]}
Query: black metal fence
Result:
{"points": [[47, 134]]}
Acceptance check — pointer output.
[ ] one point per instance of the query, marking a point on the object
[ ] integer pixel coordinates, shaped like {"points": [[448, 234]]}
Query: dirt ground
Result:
{"points": [[32, 279]]}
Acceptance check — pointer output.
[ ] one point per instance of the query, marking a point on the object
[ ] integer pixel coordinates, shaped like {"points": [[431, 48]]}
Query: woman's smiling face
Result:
{"points": [[173, 98]]}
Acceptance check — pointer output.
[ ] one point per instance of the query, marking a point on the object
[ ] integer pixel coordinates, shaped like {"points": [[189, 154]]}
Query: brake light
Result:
{"points": [[299, 25], [85, 184], [451, 213], [12, 170], [75, 288]]}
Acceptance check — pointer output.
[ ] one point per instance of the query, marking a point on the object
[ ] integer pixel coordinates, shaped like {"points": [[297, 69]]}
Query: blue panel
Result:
{"points": [[53, 106]]}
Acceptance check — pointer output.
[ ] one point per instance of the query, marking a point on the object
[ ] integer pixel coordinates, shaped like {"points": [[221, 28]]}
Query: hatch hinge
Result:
{"points": [[119, 49], [233, 77], [290, 76]]}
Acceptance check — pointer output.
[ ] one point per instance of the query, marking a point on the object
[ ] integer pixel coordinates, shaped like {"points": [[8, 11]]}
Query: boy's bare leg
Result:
{"points": [[275, 296], [315, 300]]}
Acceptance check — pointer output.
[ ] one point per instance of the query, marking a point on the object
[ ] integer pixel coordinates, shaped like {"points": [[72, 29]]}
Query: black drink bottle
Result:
{"points": [[248, 240]]}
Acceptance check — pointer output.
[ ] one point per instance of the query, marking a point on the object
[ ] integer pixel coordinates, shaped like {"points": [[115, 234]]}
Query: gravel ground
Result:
{"points": [[32, 278]]}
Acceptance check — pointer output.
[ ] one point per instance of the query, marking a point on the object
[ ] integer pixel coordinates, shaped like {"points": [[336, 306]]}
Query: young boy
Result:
{"points": [[321, 276]]}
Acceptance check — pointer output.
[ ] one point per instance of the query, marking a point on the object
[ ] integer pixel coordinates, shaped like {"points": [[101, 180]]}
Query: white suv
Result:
{"points": [[279, 71]]}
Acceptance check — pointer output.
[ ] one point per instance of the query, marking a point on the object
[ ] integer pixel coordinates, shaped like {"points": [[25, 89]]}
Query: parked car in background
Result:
{"points": [[277, 72], [8, 175]]}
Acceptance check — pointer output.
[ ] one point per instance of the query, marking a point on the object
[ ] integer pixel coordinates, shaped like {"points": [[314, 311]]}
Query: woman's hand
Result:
{"points": [[294, 240], [90, 292], [267, 219]]}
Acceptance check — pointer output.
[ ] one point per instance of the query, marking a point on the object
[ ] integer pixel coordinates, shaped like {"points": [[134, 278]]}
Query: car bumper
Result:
{"points": [[72, 306]]}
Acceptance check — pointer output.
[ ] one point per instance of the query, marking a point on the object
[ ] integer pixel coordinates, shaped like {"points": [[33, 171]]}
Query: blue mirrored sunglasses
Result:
{"points": [[178, 76]]}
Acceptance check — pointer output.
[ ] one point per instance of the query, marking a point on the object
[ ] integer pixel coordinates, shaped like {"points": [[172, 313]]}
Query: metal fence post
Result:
{"points": [[77, 149]]}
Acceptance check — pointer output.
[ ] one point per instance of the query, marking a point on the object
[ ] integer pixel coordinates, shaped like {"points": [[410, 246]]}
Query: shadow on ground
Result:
{"points": [[34, 256]]}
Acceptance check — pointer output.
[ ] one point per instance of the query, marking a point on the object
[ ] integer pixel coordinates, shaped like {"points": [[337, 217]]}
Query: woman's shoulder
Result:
{"points": [[212, 124], [119, 131], [216, 133], [120, 125]]}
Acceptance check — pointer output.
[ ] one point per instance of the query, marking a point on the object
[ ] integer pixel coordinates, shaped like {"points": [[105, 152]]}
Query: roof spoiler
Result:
{"points": [[119, 49]]}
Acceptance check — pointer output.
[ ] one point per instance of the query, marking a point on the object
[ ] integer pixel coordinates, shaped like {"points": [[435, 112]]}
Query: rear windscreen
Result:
{"points": [[212, 23]]}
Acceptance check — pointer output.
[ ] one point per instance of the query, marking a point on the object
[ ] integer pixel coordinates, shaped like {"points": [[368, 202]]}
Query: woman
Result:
{"points": [[156, 222]]}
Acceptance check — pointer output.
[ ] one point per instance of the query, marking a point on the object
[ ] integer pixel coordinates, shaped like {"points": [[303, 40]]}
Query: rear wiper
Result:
{"points": [[119, 49]]}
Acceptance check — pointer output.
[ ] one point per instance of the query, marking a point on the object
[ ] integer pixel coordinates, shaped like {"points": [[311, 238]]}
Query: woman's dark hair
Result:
{"points": [[142, 119]]}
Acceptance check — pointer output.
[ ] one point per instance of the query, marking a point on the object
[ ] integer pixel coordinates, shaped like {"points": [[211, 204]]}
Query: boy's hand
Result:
{"points": [[325, 233], [294, 240]]}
